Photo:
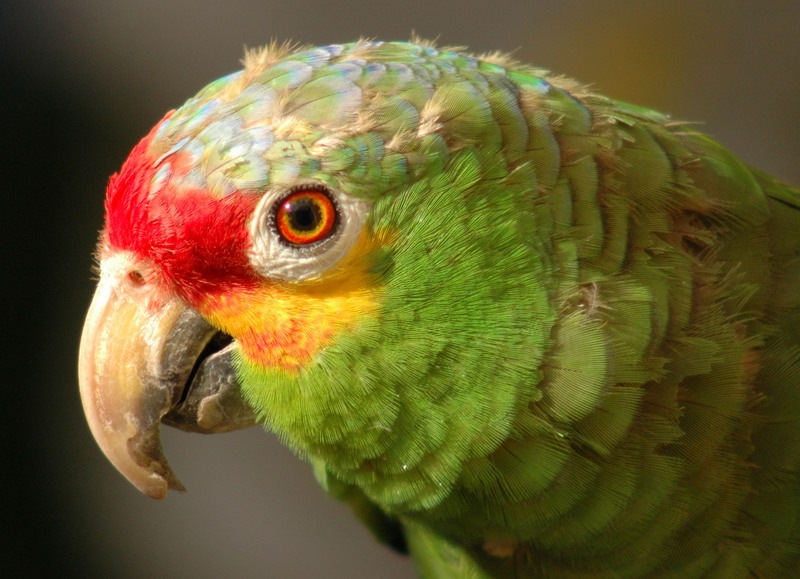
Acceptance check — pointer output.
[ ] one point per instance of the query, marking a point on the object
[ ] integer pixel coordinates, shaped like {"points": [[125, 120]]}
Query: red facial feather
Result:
{"points": [[198, 242]]}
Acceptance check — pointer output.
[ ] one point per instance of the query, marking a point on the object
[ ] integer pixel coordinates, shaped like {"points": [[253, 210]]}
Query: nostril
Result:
{"points": [[136, 277]]}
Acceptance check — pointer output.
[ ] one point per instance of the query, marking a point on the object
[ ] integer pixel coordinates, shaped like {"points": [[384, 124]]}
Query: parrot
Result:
{"points": [[522, 329]]}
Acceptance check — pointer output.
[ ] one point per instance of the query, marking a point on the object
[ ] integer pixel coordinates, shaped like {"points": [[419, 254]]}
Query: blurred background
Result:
{"points": [[81, 81]]}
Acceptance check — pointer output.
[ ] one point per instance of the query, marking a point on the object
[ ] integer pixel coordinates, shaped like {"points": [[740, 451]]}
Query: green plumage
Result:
{"points": [[586, 360]]}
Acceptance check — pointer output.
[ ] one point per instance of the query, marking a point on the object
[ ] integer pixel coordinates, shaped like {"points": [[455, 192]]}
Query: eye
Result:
{"points": [[305, 217], [302, 232]]}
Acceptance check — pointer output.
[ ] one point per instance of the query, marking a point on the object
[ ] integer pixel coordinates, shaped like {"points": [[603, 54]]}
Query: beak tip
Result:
{"points": [[155, 489], [156, 486], [145, 465]]}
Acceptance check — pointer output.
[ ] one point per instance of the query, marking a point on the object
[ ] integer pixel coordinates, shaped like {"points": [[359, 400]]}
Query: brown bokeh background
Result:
{"points": [[81, 81]]}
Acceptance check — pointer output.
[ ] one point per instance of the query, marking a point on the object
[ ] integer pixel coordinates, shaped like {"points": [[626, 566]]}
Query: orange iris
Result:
{"points": [[306, 216]]}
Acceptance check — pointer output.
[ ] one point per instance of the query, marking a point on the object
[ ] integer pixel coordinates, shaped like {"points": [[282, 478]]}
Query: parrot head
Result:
{"points": [[339, 243]]}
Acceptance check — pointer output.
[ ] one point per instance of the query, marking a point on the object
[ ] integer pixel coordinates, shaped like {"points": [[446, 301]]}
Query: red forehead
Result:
{"points": [[196, 240]]}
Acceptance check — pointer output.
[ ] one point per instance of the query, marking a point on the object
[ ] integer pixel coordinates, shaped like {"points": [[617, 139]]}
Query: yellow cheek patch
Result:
{"points": [[284, 324]]}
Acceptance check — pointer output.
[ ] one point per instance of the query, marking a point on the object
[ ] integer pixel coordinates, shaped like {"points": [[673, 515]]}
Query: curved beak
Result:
{"points": [[146, 357]]}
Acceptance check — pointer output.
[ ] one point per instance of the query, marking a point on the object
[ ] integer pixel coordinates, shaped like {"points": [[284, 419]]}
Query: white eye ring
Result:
{"points": [[273, 257]]}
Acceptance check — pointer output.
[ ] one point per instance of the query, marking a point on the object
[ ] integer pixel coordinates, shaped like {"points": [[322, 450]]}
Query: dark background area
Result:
{"points": [[82, 81]]}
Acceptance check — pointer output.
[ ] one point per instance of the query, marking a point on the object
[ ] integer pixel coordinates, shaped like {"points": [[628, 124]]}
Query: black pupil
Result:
{"points": [[304, 215]]}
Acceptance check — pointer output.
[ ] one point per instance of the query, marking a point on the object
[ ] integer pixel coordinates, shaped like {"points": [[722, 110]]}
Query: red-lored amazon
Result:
{"points": [[523, 329]]}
